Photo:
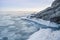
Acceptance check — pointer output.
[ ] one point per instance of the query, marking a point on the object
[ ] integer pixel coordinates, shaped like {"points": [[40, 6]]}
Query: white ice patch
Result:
{"points": [[43, 22], [45, 34], [6, 22], [6, 17]]}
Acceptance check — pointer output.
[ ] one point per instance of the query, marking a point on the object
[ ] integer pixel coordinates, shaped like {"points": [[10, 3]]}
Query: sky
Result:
{"points": [[18, 5]]}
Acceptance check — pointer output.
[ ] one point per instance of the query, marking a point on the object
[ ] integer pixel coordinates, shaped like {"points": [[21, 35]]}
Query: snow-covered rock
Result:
{"points": [[45, 34]]}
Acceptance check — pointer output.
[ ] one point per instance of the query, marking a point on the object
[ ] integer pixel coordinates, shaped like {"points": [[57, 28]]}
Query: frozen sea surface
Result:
{"points": [[22, 28]]}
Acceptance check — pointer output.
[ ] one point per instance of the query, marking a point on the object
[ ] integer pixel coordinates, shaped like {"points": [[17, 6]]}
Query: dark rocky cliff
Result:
{"points": [[51, 13]]}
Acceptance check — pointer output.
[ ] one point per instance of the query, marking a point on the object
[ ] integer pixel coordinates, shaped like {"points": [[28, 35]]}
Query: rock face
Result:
{"points": [[50, 13]]}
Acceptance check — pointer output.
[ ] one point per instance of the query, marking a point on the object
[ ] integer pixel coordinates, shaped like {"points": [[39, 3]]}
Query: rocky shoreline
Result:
{"points": [[51, 13]]}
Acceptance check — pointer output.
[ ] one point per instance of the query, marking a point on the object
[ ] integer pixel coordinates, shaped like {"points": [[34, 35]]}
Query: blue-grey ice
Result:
{"points": [[23, 28]]}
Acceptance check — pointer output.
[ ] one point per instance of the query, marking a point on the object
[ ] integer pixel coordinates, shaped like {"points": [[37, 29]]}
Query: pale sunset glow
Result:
{"points": [[24, 5]]}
